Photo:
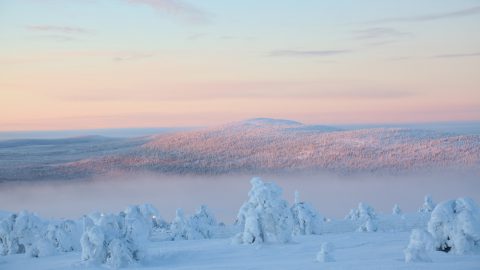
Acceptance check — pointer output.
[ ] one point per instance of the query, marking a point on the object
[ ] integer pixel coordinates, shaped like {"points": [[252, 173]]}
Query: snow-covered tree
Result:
{"points": [[428, 205], [306, 219], [20, 233], [93, 244], [201, 225], [265, 217], [27, 233], [455, 226], [137, 225], [152, 216], [204, 222], [365, 216], [396, 210], [326, 253], [181, 228], [64, 235], [420, 243], [7, 244]]}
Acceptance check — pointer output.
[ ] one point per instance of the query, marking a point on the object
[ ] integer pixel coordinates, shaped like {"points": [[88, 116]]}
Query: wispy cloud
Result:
{"points": [[177, 8], [196, 36], [307, 53], [243, 90], [56, 29], [457, 55], [399, 58], [431, 17], [131, 56], [379, 33], [59, 38]]}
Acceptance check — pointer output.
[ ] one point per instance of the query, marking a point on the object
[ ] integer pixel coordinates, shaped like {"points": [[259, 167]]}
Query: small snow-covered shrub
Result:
{"points": [[455, 226], [428, 205], [365, 216], [420, 243], [306, 220], [265, 217], [326, 253], [396, 210]]}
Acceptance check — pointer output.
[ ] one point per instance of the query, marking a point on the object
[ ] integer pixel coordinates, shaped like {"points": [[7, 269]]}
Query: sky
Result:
{"points": [[83, 64]]}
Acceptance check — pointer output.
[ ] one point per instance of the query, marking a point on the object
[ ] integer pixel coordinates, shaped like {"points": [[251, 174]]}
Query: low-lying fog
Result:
{"points": [[333, 196]]}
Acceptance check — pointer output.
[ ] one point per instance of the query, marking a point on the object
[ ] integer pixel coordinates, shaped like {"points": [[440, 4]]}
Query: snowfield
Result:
{"points": [[267, 234], [352, 250]]}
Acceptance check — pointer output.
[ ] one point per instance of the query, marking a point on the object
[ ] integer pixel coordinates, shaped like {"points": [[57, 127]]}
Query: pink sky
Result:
{"points": [[154, 63]]}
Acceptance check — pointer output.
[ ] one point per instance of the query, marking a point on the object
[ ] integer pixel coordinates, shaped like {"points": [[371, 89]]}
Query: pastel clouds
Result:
{"points": [[176, 8], [57, 29], [471, 11], [159, 62], [308, 53]]}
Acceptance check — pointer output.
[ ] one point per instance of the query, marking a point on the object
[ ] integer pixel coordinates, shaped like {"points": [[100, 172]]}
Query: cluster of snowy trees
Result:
{"points": [[27, 233], [267, 217], [365, 216], [454, 226], [115, 240], [201, 225], [118, 240]]}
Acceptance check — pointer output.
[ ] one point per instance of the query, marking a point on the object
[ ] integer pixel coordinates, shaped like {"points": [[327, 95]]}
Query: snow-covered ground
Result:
{"points": [[352, 250]]}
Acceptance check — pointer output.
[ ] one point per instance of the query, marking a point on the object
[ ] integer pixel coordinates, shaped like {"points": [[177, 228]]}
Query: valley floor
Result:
{"points": [[353, 250]]}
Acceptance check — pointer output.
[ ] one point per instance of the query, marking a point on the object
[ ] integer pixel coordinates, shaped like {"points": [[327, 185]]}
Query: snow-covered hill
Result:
{"points": [[253, 146]]}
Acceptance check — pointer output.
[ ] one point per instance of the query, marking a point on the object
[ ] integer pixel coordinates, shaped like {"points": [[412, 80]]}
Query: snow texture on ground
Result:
{"points": [[354, 250]]}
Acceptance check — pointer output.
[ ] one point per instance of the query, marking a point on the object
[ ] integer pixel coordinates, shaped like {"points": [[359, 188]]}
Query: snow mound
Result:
{"points": [[420, 243], [265, 217], [455, 226], [326, 253]]}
